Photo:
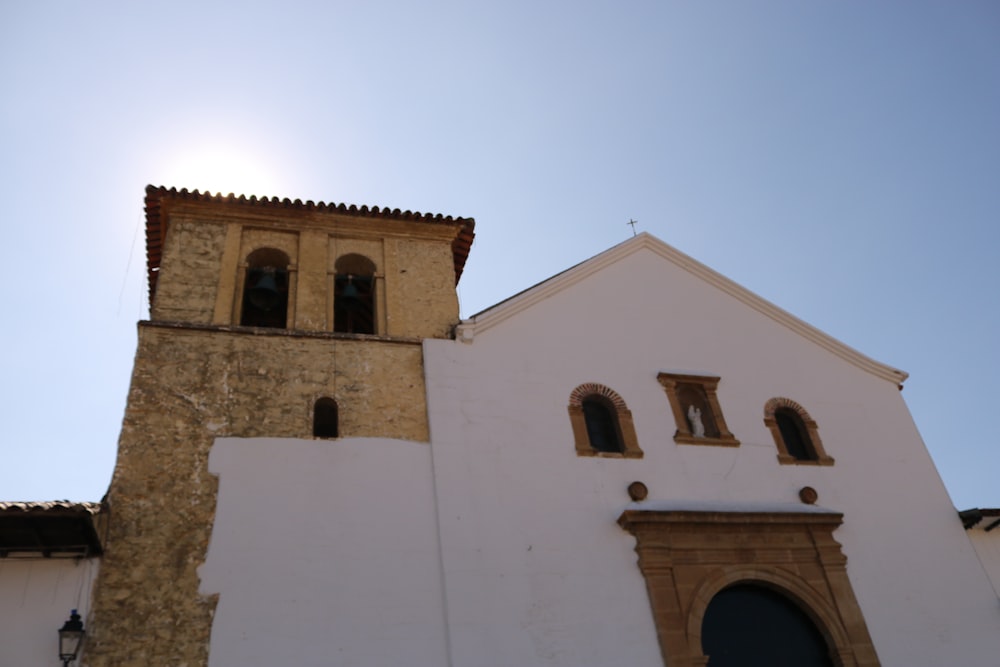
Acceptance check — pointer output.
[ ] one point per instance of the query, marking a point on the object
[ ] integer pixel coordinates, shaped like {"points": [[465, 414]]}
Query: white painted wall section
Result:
{"points": [[36, 596], [987, 546], [518, 504], [324, 552]]}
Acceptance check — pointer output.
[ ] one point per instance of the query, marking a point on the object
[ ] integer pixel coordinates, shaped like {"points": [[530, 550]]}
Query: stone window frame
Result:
{"points": [[626, 428], [709, 384], [687, 556], [818, 455]]}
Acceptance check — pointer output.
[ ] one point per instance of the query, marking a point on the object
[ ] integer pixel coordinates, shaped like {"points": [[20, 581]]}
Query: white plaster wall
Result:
{"points": [[987, 546], [537, 571], [324, 552], [36, 596]]}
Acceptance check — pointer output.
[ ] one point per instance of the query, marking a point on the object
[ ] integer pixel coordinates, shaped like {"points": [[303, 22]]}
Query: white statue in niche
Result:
{"points": [[694, 417]]}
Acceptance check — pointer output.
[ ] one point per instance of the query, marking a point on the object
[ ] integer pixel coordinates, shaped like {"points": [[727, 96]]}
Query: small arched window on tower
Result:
{"points": [[602, 424], [265, 290], [354, 295], [326, 418], [795, 433]]}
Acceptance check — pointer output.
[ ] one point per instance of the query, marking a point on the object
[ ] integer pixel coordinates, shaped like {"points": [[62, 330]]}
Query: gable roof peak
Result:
{"points": [[494, 315]]}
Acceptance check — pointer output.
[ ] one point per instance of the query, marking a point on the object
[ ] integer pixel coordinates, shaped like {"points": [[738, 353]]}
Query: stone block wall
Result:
{"points": [[192, 263]]}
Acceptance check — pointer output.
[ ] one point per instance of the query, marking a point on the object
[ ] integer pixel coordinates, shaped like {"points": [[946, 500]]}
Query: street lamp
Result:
{"points": [[70, 638]]}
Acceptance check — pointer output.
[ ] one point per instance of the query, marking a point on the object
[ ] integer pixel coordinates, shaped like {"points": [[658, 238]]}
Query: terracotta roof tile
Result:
{"points": [[156, 221], [53, 506]]}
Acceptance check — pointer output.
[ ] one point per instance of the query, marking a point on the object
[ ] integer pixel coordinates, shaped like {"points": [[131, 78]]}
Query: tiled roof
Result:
{"points": [[52, 528], [53, 506], [156, 222]]}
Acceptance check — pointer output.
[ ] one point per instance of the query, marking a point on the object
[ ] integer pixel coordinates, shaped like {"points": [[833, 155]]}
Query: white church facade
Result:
{"points": [[686, 476]]}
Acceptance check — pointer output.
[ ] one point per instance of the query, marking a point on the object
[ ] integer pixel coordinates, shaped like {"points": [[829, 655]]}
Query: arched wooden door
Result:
{"points": [[753, 626]]}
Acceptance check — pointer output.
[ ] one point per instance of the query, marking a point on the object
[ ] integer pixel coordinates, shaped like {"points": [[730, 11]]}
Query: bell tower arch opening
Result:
{"points": [[354, 295], [265, 289]]}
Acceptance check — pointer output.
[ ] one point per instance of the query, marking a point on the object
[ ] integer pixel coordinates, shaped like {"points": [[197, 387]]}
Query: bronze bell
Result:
{"points": [[350, 293], [264, 294]]}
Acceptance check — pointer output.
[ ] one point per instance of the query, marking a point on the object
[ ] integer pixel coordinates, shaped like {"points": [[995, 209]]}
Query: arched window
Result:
{"points": [[265, 290], [325, 418], [751, 626], [602, 424], [354, 295], [795, 433]]}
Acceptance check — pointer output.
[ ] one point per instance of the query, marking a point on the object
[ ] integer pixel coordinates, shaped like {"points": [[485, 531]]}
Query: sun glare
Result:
{"points": [[220, 171]]}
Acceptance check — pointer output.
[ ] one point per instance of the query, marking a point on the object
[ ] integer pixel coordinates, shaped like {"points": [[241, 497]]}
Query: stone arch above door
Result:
{"points": [[688, 556]]}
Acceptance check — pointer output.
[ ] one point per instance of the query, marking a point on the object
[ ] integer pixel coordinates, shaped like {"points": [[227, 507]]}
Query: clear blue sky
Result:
{"points": [[841, 159]]}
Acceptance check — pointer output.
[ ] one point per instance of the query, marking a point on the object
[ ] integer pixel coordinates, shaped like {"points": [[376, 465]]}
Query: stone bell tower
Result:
{"points": [[268, 318]]}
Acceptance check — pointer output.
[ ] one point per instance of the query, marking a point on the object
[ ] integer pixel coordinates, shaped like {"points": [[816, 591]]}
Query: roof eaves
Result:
{"points": [[50, 506], [973, 517], [50, 528]]}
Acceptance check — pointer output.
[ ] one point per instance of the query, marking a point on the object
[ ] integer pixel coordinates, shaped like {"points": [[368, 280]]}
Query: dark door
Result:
{"points": [[752, 626]]}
